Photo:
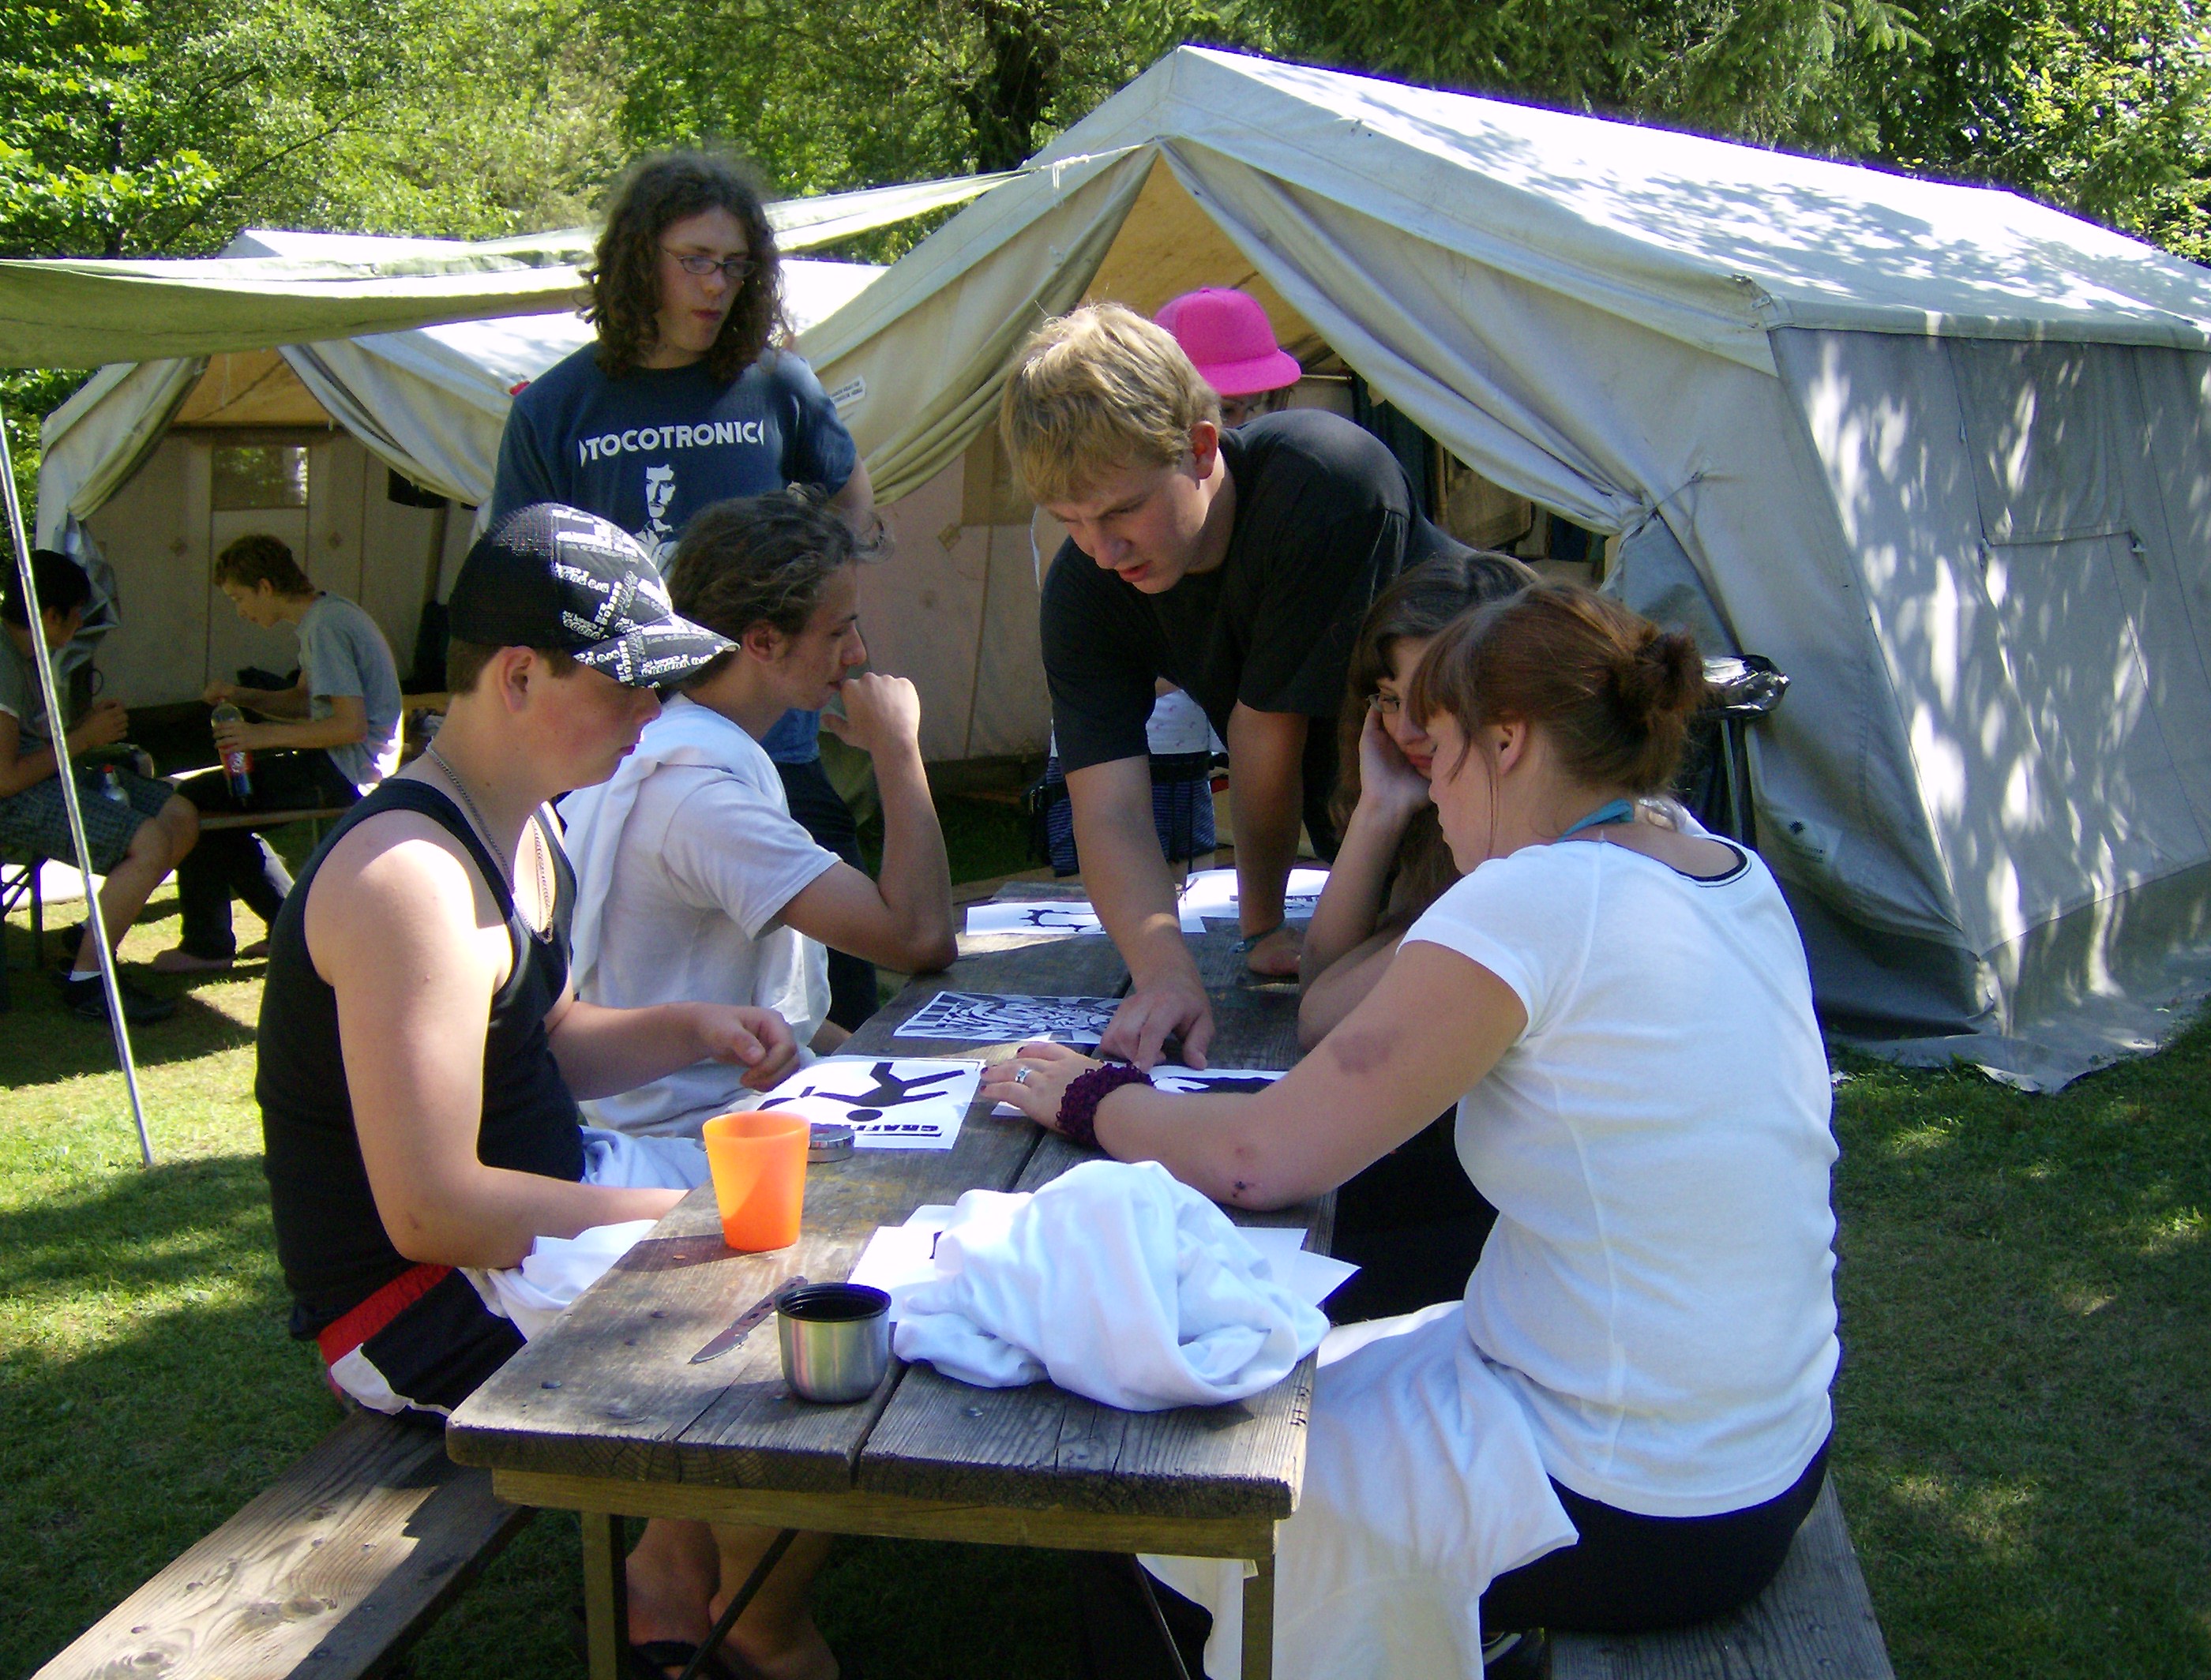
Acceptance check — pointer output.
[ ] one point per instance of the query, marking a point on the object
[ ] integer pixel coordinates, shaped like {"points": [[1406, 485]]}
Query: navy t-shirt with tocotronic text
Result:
{"points": [[650, 449]]}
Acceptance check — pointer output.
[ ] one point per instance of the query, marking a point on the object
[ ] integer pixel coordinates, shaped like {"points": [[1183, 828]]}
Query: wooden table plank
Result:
{"points": [[1041, 1446], [609, 1392]]}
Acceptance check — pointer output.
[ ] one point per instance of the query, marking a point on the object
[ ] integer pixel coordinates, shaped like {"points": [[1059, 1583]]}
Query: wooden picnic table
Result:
{"points": [[603, 1414]]}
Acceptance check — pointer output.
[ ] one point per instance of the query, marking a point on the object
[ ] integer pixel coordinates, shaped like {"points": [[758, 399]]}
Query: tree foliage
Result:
{"points": [[827, 95], [1756, 69], [2100, 106]]}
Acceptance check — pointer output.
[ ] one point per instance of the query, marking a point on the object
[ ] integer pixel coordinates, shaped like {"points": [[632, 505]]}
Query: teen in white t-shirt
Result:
{"points": [[693, 880], [1624, 1423]]}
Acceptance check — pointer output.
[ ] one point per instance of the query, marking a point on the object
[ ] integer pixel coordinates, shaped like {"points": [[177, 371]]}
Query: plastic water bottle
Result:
{"points": [[111, 785], [238, 762]]}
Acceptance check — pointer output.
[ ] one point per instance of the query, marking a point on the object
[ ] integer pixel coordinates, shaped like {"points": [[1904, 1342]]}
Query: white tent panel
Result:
{"points": [[1704, 241], [429, 403], [1994, 740]]}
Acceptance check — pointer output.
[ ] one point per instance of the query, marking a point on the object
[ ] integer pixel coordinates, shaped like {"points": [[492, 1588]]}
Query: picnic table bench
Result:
{"points": [[604, 1415], [331, 1572], [335, 1569]]}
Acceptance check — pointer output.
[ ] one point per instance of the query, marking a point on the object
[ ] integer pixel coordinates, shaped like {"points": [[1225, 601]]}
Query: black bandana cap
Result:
{"points": [[548, 576]]}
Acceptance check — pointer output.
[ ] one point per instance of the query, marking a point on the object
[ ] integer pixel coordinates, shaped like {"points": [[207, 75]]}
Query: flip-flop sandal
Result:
{"points": [[664, 1659]]}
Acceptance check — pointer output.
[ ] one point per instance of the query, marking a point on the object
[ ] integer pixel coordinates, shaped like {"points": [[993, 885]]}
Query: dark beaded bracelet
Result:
{"points": [[1078, 1104]]}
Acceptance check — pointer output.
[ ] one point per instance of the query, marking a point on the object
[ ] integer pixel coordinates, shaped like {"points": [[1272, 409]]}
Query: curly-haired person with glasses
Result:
{"points": [[689, 397]]}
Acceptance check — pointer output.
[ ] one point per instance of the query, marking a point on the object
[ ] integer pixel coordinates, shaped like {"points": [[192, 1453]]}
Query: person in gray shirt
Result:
{"points": [[333, 736]]}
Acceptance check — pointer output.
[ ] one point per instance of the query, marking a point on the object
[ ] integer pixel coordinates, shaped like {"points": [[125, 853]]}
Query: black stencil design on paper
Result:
{"points": [[987, 1017]]}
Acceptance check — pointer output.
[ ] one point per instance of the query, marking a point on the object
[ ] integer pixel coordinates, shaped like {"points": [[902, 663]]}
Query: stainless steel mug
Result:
{"points": [[836, 1341]]}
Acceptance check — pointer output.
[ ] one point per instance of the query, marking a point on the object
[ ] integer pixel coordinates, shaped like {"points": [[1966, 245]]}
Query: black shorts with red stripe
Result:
{"points": [[419, 1346]]}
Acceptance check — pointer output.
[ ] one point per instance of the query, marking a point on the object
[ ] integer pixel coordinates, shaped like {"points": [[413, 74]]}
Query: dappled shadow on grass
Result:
{"points": [[2026, 1391], [41, 1042], [148, 1390]]}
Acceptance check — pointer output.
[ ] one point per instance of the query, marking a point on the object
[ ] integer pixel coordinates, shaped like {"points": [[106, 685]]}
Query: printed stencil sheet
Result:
{"points": [[1007, 1018], [1195, 1082], [899, 1104]]}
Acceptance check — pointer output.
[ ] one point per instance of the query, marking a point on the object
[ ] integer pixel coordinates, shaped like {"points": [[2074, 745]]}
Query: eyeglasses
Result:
{"points": [[734, 269], [1388, 704]]}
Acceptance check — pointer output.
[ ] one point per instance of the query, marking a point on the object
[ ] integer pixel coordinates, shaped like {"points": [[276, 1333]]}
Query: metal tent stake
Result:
{"points": [[67, 772]]}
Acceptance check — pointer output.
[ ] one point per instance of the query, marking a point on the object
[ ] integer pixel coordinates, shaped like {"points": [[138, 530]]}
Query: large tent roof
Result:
{"points": [[1664, 223], [428, 401], [1380, 218], [308, 288]]}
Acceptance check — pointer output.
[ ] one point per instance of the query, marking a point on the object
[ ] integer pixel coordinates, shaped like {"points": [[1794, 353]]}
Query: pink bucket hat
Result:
{"points": [[1226, 334]]}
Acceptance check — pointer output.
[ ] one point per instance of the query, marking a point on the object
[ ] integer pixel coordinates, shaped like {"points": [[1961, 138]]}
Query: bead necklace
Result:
{"points": [[484, 828]]}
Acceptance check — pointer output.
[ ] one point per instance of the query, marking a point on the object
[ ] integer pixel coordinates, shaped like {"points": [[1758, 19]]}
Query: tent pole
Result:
{"points": [[67, 772]]}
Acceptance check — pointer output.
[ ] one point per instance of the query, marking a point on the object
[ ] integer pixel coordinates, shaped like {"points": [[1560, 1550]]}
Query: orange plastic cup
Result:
{"points": [[759, 1163]]}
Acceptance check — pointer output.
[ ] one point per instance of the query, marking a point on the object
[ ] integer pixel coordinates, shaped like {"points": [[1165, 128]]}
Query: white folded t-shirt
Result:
{"points": [[1658, 1286]]}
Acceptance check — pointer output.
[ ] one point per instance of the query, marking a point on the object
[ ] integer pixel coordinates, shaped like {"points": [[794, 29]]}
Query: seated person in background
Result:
{"points": [[137, 833], [336, 737], [421, 1053], [1392, 862], [1411, 1222], [1622, 1425], [1235, 565], [692, 878]]}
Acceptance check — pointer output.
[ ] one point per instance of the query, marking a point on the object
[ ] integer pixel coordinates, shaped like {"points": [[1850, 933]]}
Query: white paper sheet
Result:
{"points": [[1072, 915], [901, 1258], [1046, 915], [1213, 892], [992, 1018], [890, 1104]]}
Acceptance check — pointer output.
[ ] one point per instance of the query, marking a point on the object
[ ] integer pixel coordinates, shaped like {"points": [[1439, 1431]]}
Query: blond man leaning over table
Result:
{"points": [[422, 1051]]}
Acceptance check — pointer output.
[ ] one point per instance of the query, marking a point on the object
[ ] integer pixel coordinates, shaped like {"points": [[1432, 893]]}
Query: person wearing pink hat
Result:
{"points": [[1228, 338], [1236, 564]]}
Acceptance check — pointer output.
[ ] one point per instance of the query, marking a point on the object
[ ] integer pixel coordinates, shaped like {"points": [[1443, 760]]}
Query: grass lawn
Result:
{"points": [[2025, 1286]]}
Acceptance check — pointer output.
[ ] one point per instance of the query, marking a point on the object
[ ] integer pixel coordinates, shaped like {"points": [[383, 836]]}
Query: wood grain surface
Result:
{"points": [[607, 1397], [609, 1391], [329, 1571], [1814, 1622], [1041, 1446]]}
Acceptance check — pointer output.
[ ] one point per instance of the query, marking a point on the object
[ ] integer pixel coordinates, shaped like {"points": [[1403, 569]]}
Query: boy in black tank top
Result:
{"points": [[428, 936]]}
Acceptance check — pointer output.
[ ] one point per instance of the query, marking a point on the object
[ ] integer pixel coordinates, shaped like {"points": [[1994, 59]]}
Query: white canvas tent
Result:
{"points": [[1939, 452], [131, 473], [72, 313]]}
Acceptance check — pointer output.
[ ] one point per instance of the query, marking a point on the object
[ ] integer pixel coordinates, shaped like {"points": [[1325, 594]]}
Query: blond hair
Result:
{"points": [[1097, 390]]}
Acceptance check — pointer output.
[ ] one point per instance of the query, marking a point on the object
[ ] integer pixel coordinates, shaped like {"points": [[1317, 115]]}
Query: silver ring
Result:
{"points": [[1020, 1076]]}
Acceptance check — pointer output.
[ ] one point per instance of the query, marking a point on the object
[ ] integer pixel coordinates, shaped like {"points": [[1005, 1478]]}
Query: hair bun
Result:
{"points": [[1663, 679]]}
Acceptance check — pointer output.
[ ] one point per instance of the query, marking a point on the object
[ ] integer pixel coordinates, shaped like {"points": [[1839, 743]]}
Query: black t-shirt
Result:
{"points": [[1325, 519]]}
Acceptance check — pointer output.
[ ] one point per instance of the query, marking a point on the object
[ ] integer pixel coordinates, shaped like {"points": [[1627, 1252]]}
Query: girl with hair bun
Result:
{"points": [[1622, 1424]]}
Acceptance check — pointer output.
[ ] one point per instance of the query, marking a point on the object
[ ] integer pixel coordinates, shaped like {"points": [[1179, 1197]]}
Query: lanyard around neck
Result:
{"points": [[1618, 811]]}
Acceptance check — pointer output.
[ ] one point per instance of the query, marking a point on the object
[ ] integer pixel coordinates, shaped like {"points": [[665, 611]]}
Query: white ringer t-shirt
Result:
{"points": [[1658, 1287]]}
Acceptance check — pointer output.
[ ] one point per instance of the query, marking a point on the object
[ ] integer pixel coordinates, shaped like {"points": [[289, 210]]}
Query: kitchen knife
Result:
{"points": [[745, 1322]]}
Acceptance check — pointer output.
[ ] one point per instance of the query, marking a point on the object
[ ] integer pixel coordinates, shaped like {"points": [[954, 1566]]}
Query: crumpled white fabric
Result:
{"points": [[557, 1269], [1423, 1485], [1117, 1282]]}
